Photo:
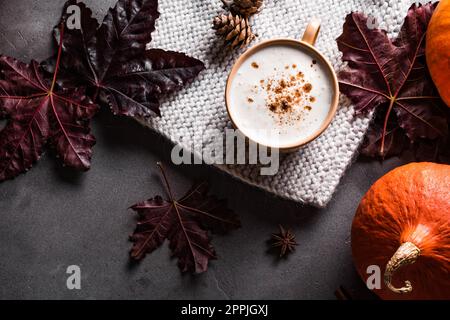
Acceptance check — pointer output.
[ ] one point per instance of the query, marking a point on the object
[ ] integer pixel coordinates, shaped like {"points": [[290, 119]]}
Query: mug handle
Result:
{"points": [[311, 31]]}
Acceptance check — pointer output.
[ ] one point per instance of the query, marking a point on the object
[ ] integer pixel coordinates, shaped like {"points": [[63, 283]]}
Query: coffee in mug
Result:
{"points": [[282, 93]]}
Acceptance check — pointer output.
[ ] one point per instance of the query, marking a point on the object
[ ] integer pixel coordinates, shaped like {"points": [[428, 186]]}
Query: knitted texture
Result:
{"points": [[309, 175]]}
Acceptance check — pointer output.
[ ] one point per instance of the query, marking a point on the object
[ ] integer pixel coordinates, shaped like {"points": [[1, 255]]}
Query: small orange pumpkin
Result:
{"points": [[402, 225], [438, 49]]}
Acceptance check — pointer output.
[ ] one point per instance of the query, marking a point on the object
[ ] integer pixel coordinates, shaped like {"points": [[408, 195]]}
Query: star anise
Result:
{"points": [[285, 241]]}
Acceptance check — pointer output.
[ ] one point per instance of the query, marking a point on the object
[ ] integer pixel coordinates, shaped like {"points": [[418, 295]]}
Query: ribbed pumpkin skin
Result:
{"points": [[438, 49], [410, 203]]}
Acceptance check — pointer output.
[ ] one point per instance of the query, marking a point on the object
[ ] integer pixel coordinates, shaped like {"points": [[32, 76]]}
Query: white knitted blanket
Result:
{"points": [[310, 175]]}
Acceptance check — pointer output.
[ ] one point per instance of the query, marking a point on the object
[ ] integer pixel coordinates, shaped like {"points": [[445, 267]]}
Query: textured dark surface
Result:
{"points": [[52, 217]]}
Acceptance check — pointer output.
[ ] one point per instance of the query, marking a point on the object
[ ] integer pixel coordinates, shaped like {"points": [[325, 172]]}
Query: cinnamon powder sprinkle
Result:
{"points": [[250, 100], [285, 106], [287, 96], [307, 87], [255, 65]]}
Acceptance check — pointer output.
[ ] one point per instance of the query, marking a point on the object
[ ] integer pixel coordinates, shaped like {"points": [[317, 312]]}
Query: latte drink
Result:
{"points": [[281, 95]]}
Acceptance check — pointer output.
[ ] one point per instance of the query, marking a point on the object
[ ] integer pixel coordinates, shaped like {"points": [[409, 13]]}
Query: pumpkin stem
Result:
{"points": [[406, 254]]}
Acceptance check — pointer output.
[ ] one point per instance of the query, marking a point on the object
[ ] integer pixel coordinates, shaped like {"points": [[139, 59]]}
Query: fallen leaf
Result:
{"points": [[184, 223], [392, 77], [111, 60], [38, 114], [52, 103]]}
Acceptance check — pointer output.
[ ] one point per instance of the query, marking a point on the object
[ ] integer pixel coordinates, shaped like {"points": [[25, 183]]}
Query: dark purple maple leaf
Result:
{"points": [[184, 223], [111, 59], [38, 114], [395, 140], [392, 77]]}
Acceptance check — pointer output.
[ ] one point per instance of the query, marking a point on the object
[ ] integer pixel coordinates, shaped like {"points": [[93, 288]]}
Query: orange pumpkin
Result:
{"points": [[402, 225], [438, 49]]}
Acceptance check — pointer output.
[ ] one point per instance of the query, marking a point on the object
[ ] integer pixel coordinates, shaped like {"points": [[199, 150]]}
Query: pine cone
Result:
{"points": [[235, 29], [244, 7]]}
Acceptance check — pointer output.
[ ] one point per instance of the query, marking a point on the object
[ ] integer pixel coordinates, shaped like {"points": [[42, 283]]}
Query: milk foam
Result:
{"points": [[250, 101]]}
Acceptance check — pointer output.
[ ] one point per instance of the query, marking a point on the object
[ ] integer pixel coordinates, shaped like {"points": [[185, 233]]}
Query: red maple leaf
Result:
{"points": [[38, 114], [184, 223]]}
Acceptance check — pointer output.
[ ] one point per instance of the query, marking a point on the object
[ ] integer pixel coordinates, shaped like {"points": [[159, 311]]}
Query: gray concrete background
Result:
{"points": [[53, 217]]}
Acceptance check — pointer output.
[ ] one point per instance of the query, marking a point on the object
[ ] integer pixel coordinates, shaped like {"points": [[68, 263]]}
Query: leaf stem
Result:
{"points": [[58, 59], [388, 113], [94, 98], [166, 181]]}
